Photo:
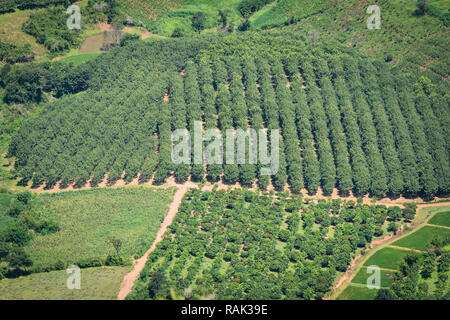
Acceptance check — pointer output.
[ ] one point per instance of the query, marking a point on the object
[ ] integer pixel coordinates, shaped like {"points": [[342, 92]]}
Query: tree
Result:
{"points": [[384, 294], [117, 244], [16, 234], [198, 21], [244, 25], [177, 33], [421, 7], [223, 18], [393, 227], [4, 249], [158, 285], [24, 197], [428, 265], [18, 258]]}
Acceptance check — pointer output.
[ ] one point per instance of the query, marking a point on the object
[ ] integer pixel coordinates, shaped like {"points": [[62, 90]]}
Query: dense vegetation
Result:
{"points": [[34, 83], [20, 222], [10, 5], [49, 28], [11, 53], [242, 245], [346, 122], [415, 267]]}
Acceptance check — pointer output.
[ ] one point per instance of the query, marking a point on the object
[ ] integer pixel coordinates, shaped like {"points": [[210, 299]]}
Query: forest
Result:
{"points": [[346, 121], [239, 244]]}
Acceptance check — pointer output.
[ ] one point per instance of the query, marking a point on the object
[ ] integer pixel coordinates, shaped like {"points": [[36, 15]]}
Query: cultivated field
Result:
{"points": [[441, 219], [88, 219], [419, 239], [100, 283], [241, 245]]}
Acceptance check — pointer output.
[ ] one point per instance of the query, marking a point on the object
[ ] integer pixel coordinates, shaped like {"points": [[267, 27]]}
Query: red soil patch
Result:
{"points": [[104, 26], [130, 278], [146, 35]]}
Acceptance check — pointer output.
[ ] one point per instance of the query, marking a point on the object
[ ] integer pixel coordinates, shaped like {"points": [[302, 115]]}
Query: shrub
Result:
{"points": [[177, 33], [284, 235], [114, 260], [24, 197], [15, 209], [18, 258], [16, 234], [4, 249]]}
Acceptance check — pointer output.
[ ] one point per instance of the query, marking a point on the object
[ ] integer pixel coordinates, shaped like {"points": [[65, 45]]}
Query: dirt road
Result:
{"points": [[130, 278]]}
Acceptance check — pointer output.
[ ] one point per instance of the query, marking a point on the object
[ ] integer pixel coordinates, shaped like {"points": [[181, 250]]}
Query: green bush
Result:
{"points": [[114, 260], [49, 28], [16, 234]]}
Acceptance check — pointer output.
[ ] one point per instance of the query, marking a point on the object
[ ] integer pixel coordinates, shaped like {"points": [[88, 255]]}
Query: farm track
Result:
{"points": [[388, 202], [139, 264], [357, 263], [404, 249]]}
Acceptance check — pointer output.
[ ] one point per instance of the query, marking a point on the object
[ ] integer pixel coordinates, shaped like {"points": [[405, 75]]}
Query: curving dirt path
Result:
{"points": [[139, 264]]}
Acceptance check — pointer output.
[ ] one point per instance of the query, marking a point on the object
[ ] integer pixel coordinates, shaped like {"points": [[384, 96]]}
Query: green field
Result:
{"points": [[388, 258], [80, 58], [88, 218], [362, 275], [180, 16], [419, 239], [96, 283], [357, 293], [441, 219]]}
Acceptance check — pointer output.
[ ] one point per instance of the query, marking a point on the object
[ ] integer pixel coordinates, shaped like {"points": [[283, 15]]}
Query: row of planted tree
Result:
{"points": [[345, 123]]}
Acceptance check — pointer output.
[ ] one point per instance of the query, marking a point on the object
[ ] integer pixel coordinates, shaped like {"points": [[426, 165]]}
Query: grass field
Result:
{"points": [[419, 239], [80, 58], [277, 12], [180, 17], [11, 31], [96, 283], [88, 218], [441, 219], [388, 258], [358, 293], [362, 276]]}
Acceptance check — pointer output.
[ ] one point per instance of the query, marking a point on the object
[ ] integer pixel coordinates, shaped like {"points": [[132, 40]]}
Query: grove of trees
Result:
{"points": [[240, 244], [345, 122]]}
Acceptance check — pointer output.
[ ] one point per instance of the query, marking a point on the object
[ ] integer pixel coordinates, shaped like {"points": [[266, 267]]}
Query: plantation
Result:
{"points": [[337, 130], [347, 112], [241, 245], [406, 274]]}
